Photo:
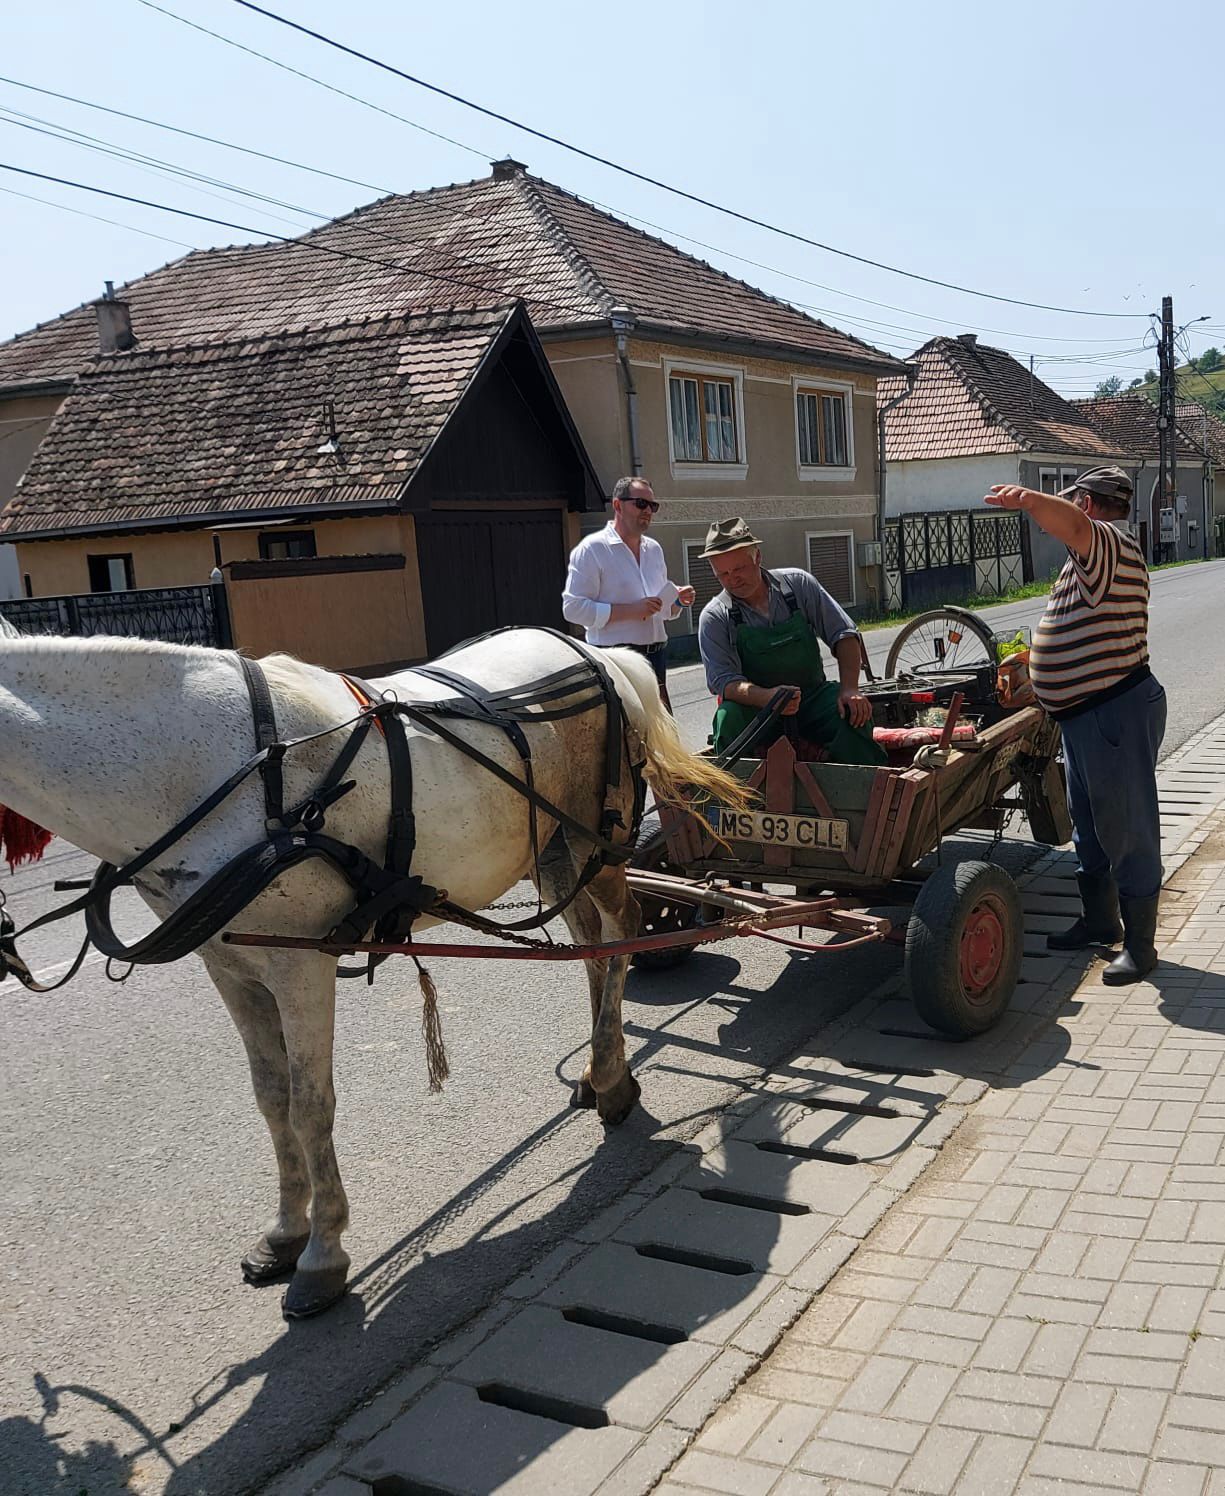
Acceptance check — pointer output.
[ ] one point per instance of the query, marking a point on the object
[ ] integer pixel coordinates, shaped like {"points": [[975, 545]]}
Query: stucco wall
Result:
{"points": [[23, 423], [945, 483], [781, 505]]}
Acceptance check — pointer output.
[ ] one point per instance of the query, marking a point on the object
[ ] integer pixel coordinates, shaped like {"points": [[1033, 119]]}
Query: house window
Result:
{"points": [[1051, 480], [702, 409], [821, 417], [110, 573], [830, 560], [286, 545]]}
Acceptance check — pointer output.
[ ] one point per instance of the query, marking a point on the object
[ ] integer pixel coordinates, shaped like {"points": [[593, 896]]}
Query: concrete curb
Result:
{"points": [[569, 1382]]}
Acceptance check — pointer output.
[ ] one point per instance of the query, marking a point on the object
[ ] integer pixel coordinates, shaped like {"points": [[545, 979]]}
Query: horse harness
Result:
{"points": [[388, 897]]}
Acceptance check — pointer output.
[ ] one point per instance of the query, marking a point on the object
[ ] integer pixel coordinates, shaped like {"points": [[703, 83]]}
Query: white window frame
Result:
{"points": [[707, 472], [819, 472], [1064, 477], [852, 569]]}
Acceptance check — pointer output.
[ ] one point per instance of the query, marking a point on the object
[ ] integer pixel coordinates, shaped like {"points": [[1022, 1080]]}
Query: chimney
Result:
{"points": [[507, 168], [970, 339], [114, 323]]}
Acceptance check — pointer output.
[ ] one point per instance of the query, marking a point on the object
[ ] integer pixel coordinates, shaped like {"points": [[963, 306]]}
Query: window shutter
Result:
{"points": [[701, 578], [829, 560]]}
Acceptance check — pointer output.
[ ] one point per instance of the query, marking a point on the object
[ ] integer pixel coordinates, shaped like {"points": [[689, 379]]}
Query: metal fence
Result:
{"points": [[946, 555], [179, 615]]}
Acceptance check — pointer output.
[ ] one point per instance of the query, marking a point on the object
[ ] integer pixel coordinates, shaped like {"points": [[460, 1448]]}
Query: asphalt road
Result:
{"points": [[135, 1167]]}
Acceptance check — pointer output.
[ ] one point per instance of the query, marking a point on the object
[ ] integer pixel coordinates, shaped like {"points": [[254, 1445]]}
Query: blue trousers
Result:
{"points": [[1110, 752]]}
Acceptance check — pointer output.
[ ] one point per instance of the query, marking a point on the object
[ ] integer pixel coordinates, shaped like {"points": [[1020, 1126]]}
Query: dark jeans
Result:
{"points": [[1111, 756]]}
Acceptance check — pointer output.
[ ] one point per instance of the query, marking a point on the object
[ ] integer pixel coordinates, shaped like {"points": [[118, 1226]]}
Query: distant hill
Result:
{"points": [[1204, 389]]}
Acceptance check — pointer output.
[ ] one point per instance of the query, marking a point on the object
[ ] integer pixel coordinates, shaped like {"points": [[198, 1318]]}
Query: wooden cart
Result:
{"points": [[860, 833]]}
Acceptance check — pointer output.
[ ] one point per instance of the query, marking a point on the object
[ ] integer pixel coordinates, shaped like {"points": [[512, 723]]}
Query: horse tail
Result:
{"points": [[671, 769]]}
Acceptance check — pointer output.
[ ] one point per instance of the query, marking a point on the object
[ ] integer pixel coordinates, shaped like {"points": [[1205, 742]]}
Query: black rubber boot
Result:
{"points": [[1139, 955], [1099, 924]]}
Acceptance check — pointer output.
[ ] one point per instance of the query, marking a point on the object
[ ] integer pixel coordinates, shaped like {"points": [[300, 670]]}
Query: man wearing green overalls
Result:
{"points": [[761, 632]]}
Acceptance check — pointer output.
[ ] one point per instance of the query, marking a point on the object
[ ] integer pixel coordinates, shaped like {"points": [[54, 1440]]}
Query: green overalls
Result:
{"points": [[788, 654]]}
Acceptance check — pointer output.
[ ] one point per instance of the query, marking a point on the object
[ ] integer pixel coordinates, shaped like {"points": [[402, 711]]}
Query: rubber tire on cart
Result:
{"points": [[658, 916], [963, 948], [961, 618]]}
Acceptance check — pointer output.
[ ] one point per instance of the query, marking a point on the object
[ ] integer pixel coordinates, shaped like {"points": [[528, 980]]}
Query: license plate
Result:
{"points": [[773, 830]]}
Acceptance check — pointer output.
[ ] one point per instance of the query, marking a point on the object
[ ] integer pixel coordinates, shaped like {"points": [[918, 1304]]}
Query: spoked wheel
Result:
{"points": [[658, 915], [944, 639], [963, 948]]}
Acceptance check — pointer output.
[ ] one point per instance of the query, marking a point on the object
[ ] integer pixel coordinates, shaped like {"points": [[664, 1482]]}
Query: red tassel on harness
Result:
{"points": [[20, 839]]}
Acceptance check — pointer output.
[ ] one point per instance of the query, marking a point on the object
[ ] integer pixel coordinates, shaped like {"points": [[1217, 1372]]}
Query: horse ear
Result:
{"points": [[20, 839]]}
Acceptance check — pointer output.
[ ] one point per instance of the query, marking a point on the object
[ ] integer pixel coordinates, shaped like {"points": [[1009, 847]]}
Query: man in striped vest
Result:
{"points": [[1089, 666]]}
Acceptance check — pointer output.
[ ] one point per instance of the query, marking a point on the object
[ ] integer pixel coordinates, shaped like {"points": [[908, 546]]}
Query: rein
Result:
{"points": [[388, 897]]}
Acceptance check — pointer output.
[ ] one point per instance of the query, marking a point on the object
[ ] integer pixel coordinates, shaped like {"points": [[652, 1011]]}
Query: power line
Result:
{"points": [[80, 213], [630, 171], [309, 243], [228, 145], [310, 78], [606, 207]]}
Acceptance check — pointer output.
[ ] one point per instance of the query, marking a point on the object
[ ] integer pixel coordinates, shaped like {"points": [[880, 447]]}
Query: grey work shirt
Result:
{"points": [[717, 632]]}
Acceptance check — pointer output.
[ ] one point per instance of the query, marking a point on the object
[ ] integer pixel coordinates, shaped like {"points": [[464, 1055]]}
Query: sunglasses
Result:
{"points": [[651, 504]]}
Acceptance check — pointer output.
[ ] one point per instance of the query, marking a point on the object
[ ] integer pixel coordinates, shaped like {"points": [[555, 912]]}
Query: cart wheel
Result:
{"points": [[963, 948], [659, 916], [943, 639]]}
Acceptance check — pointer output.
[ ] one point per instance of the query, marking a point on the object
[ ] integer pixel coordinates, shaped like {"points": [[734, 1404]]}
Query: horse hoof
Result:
{"points": [[267, 1261], [311, 1293], [584, 1096], [618, 1105]]}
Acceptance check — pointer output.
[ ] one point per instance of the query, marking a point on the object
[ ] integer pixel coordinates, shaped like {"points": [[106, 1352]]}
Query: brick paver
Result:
{"points": [[1045, 1311]]}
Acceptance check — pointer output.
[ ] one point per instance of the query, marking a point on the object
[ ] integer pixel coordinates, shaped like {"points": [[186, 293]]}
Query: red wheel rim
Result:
{"points": [[982, 949]]}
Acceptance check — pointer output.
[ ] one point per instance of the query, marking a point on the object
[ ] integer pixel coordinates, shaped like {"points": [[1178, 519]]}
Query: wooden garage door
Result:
{"points": [[481, 569]]}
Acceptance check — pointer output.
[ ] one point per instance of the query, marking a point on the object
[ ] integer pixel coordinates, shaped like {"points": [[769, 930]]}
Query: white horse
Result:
{"points": [[110, 743]]}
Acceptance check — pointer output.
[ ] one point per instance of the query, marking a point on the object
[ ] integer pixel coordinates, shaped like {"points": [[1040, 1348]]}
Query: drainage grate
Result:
{"points": [[755, 1202], [929, 1034], [400, 1485], [707, 1262], [621, 1324], [798, 1150], [559, 1409], [874, 1067], [854, 1108]]}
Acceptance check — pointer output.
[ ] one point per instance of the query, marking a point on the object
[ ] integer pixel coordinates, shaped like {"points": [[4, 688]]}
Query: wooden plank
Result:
{"points": [[885, 820], [900, 825], [780, 796], [816, 796]]}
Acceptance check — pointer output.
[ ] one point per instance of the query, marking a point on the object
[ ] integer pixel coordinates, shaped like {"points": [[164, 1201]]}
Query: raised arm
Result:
{"points": [[1058, 517]]}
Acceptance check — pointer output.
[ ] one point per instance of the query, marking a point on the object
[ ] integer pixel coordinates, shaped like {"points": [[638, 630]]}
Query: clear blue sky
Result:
{"points": [[1011, 149]]}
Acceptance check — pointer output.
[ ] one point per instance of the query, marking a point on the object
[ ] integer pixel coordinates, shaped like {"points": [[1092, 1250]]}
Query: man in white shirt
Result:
{"points": [[617, 587]]}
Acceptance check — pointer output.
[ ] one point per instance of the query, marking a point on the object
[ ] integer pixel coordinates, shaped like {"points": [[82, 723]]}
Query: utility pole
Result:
{"points": [[1166, 494]]}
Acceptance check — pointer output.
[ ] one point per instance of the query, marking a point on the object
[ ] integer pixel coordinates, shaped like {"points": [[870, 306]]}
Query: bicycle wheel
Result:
{"points": [[942, 639]]}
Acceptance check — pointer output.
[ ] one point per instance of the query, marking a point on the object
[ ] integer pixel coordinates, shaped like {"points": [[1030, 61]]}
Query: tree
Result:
{"points": [[1108, 387], [1151, 377], [1136, 383], [1210, 359]]}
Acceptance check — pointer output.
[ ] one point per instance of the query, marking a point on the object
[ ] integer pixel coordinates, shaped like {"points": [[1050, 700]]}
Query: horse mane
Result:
{"points": [[9, 630]]}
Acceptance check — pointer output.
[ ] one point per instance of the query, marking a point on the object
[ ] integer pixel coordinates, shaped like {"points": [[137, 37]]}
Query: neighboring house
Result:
{"points": [[376, 491], [1130, 422], [976, 417], [728, 400]]}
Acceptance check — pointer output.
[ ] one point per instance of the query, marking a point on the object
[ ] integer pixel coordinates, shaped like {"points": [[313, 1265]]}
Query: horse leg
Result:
{"points": [[305, 989], [558, 874], [616, 1089], [254, 1012]]}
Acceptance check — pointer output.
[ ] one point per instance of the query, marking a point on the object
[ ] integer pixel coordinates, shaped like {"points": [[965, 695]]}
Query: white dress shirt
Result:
{"points": [[602, 572]]}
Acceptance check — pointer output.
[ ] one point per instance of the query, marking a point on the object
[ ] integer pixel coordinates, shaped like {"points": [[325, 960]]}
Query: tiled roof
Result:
{"points": [[971, 400], [481, 243], [1204, 428], [218, 428], [1130, 422]]}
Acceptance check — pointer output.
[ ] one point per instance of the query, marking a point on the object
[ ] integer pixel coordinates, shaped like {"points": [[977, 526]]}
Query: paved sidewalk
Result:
{"points": [[1045, 1311]]}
